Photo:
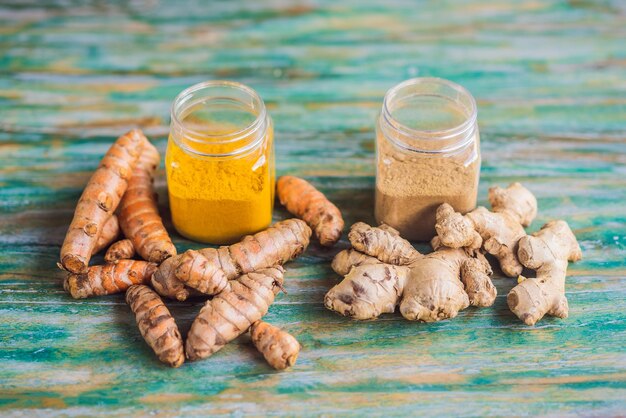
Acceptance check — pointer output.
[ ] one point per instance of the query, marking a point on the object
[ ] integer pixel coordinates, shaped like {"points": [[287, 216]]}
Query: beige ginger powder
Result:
{"points": [[410, 186]]}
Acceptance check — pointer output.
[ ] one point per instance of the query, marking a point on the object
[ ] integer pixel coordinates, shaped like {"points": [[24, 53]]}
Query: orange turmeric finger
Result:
{"points": [[157, 326], [139, 212], [120, 250], [309, 204], [279, 348], [99, 200], [109, 278], [110, 231], [231, 313], [276, 245]]}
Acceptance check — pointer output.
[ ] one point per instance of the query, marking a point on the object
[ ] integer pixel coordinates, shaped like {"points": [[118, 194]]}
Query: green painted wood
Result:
{"points": [[550, 81]]}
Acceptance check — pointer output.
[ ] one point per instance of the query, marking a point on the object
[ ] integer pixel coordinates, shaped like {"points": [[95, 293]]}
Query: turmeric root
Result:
{"points": [[156, 324], [201, 274], [110, 231], [139, 213], [99, 200], [279, 348], [307, 203], [109, 278], [275, 246], [497, 232], [428, 287], [547, 251], [230, 313], [120, 250], [383, 243]]}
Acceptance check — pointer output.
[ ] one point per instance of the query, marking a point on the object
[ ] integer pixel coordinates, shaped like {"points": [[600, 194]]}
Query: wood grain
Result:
{"points": [[550, 81]]}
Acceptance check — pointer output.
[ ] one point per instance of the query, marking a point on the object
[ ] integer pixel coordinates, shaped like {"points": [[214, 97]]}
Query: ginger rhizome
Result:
{"points": [[120, 250], [279, 348], [99, 200], [390, 272], [497, 232], [109, 278], [110, 232], [157, 326], [547, 251], [139, 213], [303, 200], [231, 313], [208, 270]]}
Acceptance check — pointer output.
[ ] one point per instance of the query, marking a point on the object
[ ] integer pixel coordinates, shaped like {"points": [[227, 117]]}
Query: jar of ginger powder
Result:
{"points": [[220, 163], [427, 153]]}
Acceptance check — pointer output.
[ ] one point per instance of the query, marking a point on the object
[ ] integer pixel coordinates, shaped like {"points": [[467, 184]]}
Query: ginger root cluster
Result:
{"points": [[382, 271]]}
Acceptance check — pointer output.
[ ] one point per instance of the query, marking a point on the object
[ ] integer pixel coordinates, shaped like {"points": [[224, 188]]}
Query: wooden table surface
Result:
{"points": [[550, 81]]}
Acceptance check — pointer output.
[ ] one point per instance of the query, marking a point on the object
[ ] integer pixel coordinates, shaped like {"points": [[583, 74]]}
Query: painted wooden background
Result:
{"points": [[550, 81]]}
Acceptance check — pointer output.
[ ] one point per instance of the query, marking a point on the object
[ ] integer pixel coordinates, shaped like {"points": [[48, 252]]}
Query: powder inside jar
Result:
{"points": [[413, 176]]}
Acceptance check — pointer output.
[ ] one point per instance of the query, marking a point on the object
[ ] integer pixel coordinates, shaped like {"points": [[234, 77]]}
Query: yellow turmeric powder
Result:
{"points": [[215, 197]]}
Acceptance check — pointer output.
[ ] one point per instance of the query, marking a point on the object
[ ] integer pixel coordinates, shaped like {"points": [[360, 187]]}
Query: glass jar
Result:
{"points": [[427, 153], [220, 163]]}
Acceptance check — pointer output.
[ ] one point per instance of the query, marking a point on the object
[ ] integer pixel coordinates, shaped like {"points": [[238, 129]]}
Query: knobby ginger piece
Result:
{"points": [[120, 250], [110, 231], [274, 246], [497, 232], [368, 291], [109, 278], [303, 200], [346, 259], [547, 251], [230, 313], [157, 326], [435, 287], [279, 348], [383, 243], [139, 211], [99, 200]]}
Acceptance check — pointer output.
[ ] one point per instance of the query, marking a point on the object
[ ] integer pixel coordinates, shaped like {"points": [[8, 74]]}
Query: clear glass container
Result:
{"points": [[427, 153], [220, 162]]}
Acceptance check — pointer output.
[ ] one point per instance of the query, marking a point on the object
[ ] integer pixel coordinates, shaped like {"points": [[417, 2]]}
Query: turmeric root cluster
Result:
{"points": [[383, 271], [240, 280]]}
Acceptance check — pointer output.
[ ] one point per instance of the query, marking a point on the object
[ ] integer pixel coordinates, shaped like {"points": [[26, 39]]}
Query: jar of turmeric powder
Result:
{"points": [[428, 153], [220, 163]]}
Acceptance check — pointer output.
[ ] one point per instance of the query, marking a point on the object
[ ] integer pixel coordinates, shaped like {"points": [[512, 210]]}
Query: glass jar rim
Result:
{"points": [[178, 105], [463, 130]]}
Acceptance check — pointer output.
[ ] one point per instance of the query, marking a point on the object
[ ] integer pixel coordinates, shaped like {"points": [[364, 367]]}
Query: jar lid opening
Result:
{"points": [[219, 119], [429, 115]]}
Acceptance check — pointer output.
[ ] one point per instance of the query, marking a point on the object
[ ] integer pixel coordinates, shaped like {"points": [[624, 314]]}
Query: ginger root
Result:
{"points": [[303, 200], [110, 231], [435, 288], [368, 290], [346, 259], [99, 200], [547, 251], [109, 278], [139, 212], [497, 232], [231, 313], [279, 348], [427, 287], [120, 250], [384, 243], [157, 326], [207, 269]]}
